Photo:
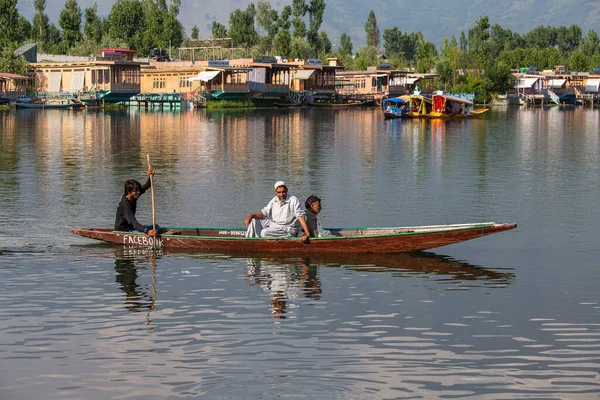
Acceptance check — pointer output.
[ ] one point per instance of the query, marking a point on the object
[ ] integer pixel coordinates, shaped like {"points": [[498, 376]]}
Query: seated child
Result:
{"points": [[313, 207]]}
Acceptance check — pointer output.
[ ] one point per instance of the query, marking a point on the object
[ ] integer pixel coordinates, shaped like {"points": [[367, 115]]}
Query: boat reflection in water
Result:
{"points": [[288, 278]]}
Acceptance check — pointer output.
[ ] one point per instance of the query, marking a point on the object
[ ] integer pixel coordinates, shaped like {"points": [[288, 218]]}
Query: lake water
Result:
{"points": [[512, 315]]}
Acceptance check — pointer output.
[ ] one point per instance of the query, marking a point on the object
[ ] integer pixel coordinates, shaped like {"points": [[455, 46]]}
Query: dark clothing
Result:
{"points": [[125, 219]]}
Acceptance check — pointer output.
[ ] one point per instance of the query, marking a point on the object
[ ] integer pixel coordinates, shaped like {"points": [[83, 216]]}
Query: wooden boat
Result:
{"points": [[445, 107], [51, 105], [343, 240], [393, 108], [419, 106]]}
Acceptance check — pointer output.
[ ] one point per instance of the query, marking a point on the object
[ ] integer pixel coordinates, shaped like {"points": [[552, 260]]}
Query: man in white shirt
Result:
{"points": [[280, 218]]}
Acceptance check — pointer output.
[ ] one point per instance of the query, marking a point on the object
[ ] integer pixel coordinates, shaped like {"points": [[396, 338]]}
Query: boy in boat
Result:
{"points": [[125, 219], [279, 218], [313, 208]]}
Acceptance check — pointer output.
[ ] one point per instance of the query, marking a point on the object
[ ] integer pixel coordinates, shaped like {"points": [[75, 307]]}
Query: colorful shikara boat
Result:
{"points": [[419, 106], [445, 106], [393, 108], [343, 240]]}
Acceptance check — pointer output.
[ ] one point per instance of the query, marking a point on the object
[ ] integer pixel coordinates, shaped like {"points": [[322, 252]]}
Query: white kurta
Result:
{"points": [[281, 219]]}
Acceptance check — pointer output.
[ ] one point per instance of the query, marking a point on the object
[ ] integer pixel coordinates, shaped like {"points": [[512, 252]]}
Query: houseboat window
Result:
{"points": [[106, 76]]}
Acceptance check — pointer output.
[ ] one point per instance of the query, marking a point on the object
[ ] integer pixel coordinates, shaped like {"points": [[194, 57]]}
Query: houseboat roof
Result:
{"points": [[117, 50], [12, 77]]}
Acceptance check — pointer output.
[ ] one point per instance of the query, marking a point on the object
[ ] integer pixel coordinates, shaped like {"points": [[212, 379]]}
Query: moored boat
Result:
{"points": [[343, 240], [445, 106], [51, 105], [419, 106], [393, 108]]}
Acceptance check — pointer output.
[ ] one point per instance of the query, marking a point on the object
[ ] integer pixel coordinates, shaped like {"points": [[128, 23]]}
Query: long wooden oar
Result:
{"points": [[152, 192]]}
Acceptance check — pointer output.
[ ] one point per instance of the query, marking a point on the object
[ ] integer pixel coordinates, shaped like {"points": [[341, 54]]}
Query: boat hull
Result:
{"points": [[346, 240], [474, 114]]}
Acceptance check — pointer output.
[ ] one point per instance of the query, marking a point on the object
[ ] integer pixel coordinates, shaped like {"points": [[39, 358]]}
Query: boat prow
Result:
{"points": [[343, 240]]}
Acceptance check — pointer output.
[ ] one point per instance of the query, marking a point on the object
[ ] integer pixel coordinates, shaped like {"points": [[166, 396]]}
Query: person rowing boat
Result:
{"points": [[125, 219]]}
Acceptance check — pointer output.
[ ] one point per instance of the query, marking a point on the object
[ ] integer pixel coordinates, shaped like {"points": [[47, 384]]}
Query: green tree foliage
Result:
{"points": [[299, 10], [283, 40], [283, 43], [397, 44], [578, 61], [324, 45], [126, 23], [498, 78], [316, 9], [241, 27], [263, 17], [448, 63], [9, 19], [479, 46], [568, 39], [301, 49], [70, 22], [426, 55], [590, 44], [39, 29], [345, 45], [218, 30], [55, 44], [195, 32], [92, 29], [541, 37], [366, 56], [10, 62], [372, 30]]}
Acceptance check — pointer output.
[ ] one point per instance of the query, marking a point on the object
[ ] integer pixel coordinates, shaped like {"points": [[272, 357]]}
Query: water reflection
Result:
{"points": [[287, 278], [128, 268]]}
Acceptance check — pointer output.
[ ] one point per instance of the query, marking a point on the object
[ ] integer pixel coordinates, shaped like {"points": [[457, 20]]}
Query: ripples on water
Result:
{"points": [[111, 323], [516, 319]]}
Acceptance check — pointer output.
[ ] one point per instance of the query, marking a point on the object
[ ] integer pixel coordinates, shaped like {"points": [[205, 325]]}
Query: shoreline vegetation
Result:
{"points": [[478, 61]]}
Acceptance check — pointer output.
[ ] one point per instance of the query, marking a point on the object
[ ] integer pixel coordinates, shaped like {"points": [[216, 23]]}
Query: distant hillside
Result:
{"points": [[436, 21]]}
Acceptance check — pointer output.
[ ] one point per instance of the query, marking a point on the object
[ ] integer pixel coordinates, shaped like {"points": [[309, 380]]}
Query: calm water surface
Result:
{"points": [[512, 315]]}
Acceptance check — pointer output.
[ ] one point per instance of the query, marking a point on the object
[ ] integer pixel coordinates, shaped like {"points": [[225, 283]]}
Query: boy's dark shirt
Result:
{"points": [[125, 218]]}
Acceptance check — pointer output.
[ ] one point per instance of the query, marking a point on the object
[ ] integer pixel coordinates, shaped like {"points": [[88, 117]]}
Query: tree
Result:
{"points": [[345, 44], [479, 48], [218, 30], [590, 44], [241, 26], [9, 21], [70, 22], [426, 54], [126, 22], [301, 49], [299, 9], [174, 7], [92, 30], [324, 44], [283, 43], [399, 44], [316, 9], [366, 56], [40, 24], [195, 32], [541, 37], [10, 62], [372, 30], [283, 40], [568, 39], [578, 61], [263, 16]]}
